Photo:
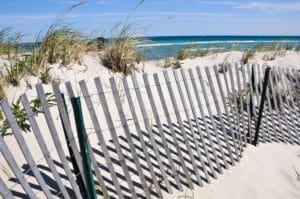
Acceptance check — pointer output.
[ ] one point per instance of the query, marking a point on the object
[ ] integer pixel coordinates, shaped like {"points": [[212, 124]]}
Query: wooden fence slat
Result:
{"points": [[149, 130], [15, 168], [247, 103], [160, 130], [281, 103], [193, 107], [46, 153], [67, 123], [141, 139], [241, 100], [4, 191], [277, 113], [100, 137], [114, 135], [128, 136], [183, 130], [285, 88], [216, 102], [55, 138], [234, 124], [189, 120], [196, 91], [211, 116], [235, 106], [253, 91], [225, 108], [24, 147], [265, 107], [270, 109], [171, 126], [297, 78], [294, 108]]}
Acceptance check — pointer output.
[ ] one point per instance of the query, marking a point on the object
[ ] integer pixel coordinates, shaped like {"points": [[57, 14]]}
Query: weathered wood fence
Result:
{"points": [[145, 136]]}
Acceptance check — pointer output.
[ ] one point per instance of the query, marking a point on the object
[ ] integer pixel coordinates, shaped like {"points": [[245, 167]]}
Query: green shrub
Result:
{"points": [[21, 115]]}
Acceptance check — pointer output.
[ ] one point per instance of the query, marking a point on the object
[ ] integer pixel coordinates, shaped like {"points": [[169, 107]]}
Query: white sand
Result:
{"points": [[265, 172], [238, 182], [92, 67]]}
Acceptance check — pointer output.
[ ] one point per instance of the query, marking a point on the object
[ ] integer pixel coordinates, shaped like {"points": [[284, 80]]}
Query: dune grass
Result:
{"points": [[61, 44], [189, 53], [184, 53], [120, 55], [248, 54], [14, 67]]}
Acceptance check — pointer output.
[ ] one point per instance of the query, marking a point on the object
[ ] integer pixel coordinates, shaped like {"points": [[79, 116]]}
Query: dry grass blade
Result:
{"points": [[120, 55]]}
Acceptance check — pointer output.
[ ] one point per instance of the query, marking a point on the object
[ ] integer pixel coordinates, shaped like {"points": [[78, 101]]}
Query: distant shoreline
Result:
{"points": [[160, 47]]}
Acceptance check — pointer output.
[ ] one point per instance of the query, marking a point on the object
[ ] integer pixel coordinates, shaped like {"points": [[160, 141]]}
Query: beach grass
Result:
{"points": [[120, 54], [248, 54]]}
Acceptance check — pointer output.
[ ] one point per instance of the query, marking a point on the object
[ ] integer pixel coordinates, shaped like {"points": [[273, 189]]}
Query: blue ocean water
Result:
{"points": [[164, 46]]}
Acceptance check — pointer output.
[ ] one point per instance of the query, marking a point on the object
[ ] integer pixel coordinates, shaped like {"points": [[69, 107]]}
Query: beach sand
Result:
{"points": [[264, 172]]}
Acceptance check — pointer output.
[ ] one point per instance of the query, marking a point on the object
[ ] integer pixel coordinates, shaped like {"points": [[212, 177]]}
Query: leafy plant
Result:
{"points": [[21, 115], [36, 106]]}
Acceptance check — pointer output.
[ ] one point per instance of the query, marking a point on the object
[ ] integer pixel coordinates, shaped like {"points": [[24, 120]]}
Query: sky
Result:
{"points": [[156, 17]]}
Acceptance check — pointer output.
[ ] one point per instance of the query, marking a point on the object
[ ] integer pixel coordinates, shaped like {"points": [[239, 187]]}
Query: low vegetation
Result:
{"points": [[248, 54], [276, 95], [223, 67], [21, 115], [190, 53], [184, 53], [120, 55], [170, 62]]}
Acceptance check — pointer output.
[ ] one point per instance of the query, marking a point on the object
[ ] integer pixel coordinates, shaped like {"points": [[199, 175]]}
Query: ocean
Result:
{"points": [[160, 47], [164, 46]]}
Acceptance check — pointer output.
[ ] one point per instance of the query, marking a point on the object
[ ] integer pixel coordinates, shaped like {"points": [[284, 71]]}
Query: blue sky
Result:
{"points": [[158, 17]]}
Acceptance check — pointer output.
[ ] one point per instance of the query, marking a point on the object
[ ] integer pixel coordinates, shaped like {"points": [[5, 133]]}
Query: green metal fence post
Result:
{"points": [[79, 179], [261, 107], [82, 137]]}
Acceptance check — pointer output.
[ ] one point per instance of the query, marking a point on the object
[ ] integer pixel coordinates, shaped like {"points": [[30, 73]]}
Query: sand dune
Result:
{"points": [[264, 172]]}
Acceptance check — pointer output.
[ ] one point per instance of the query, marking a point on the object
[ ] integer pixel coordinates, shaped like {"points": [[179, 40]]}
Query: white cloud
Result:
{"points": [[271, 6], [33, 18], [258, 5], [103, 2]]}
